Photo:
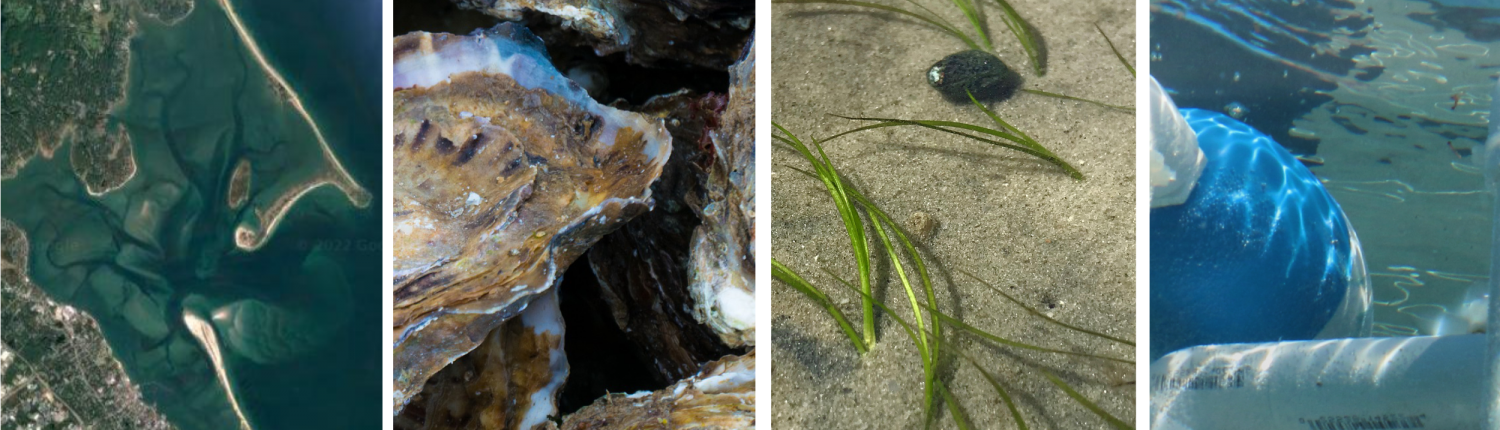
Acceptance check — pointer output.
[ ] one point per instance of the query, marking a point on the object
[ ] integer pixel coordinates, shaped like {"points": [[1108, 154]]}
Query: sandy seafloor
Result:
{"points": [[1014, 220]]}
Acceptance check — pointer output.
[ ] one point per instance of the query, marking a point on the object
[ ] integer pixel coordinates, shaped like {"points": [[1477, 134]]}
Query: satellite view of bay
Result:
{"points": [[188, 230]]}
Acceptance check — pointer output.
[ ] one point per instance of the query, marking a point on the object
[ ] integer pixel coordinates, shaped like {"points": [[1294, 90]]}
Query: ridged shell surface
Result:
{"points": [[505, 172]]}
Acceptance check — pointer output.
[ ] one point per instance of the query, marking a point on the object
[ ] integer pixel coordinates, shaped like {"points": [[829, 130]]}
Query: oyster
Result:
{"points": [[720, 396], [505, 172], [643, 267], [723, 259], [647, 32], [507, 383]]}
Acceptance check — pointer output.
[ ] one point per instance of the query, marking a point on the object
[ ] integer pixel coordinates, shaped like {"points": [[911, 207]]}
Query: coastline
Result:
{"points": [[185, 85], [209, 340], [251, 239]]}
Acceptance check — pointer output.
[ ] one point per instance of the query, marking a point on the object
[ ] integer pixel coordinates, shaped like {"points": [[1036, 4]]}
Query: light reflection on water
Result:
{"points": [[1400, 95], [1439, 315]]}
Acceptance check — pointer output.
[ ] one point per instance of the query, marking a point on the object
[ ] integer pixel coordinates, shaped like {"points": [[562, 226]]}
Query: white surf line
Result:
{"points": [[357, 194], [204, 332]]}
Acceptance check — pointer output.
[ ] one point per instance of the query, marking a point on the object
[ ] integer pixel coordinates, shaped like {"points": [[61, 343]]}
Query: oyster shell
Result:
{"points": [[723, 261], [643, 267], [647, 32], [505, 172], [510, 381], [720, 396]]}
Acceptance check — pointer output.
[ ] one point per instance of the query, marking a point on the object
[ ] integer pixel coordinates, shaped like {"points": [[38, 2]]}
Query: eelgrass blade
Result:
{"points": [[1078, 99], [1114, 422], [1028, 140], [911, 249], [1041, 315], [1014, 413], [927, 378], [929, 368], [859, 197], [958, 416], [967, 7], [1010, 404], [932, 124], [1003, 341], [1025, 138], [932, 14], [1116, 51], [784, 274], [934, 21], [1024, 145], [1005, 396], [804, 172], [919, 336], [853, 226], [1022, 31]]}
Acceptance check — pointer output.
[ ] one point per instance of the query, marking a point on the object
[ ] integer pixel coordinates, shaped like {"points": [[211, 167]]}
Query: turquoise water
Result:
{"points": [[306, 352], [330, 53]]}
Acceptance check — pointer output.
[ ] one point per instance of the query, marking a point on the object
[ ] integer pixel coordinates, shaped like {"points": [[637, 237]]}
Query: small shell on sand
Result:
{"points": [[922, 225]]}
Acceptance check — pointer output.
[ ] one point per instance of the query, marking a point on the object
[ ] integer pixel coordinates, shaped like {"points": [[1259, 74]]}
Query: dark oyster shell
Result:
{"points": [[720, 396], [648, 32], [643, 267], [723, 259]]}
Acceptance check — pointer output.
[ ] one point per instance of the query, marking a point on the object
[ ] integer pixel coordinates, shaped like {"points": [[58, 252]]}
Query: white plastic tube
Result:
{"points": [[1368, 383], [1176, 160]]}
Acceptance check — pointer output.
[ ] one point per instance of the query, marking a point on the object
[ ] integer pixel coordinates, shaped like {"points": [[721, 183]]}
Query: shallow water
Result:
{"points": [[305, 352], [1391, 95]]}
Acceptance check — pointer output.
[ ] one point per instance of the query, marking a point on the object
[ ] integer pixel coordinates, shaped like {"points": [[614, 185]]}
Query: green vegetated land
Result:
{"points": [[64, 67], [56, 366]]}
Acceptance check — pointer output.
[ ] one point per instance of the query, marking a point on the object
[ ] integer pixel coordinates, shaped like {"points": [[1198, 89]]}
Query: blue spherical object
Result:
{"points": [[1258, 253]]}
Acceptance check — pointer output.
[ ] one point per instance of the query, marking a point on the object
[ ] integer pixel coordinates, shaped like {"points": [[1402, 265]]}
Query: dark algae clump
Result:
{"points": [[973, 71]]}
